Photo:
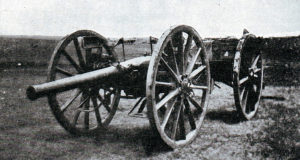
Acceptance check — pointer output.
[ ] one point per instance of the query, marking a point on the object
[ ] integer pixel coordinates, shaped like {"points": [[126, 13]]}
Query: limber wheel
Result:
{"points": [[178, 85], [89, 107], [247, 77]]}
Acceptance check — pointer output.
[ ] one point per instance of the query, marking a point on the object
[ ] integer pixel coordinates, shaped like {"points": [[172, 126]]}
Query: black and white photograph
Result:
{"points": [[160, 79]]}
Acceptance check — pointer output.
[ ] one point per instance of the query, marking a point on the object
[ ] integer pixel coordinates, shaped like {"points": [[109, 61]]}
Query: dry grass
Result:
{"points": [[28, 129]]}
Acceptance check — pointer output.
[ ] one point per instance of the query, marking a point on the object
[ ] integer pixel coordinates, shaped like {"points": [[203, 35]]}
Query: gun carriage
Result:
{"points": [[86, 81]]}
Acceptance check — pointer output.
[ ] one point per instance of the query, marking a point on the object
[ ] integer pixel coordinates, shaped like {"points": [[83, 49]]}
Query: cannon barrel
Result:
{"points": [[36, 91]]}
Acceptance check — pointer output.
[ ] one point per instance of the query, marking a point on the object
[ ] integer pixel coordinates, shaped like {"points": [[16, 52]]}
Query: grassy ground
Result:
{"points": [[28, 129]]}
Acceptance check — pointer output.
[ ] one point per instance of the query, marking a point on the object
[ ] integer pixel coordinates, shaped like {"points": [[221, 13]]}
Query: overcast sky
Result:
{"points": [[136, 18]]}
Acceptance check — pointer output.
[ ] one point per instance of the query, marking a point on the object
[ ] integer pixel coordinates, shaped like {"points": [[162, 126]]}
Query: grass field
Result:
{"points": [[28, 130]]}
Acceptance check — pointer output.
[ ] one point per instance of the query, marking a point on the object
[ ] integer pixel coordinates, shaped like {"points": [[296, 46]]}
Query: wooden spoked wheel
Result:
{"points": [[91, 106], [247, 77], [178, 86]]}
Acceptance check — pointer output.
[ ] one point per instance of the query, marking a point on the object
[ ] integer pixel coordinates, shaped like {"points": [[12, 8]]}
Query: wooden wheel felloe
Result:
{"points": [[178, 85], [90, 106], [247, 77]]}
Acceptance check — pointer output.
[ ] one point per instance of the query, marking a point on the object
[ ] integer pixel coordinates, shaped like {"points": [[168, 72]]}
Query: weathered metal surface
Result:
{"points": [[35, 91]]}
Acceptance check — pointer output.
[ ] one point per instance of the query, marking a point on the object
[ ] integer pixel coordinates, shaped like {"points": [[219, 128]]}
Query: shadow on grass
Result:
{"points": [[151, 142], [281, 138], [232, 117], [277, 98], [229, 117], [133, 137]]}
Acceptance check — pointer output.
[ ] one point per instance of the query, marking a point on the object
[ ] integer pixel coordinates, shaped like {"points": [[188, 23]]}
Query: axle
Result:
{"points": [[36, 91]]}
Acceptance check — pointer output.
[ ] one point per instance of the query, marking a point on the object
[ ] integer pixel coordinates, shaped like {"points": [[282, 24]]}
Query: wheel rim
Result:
{"points": [[178, 86], [248, 78], [89, 107]]}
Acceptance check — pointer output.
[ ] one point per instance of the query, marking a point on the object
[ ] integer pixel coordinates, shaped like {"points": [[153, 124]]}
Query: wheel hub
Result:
{"points": [[251, 73], [185, 84]]}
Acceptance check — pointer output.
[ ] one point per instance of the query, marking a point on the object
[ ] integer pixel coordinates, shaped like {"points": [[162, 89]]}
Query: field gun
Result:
{"points": [[86, 81]]}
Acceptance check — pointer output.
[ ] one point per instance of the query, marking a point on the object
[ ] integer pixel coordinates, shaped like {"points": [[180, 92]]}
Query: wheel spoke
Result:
{"points": [[76, 110], [178, 38], [171, 95], [203, 99], [103, 102], [71, 60], [158, 98], [142, 106], [97, 114], [192, 64], [198, 87], [186, 51], [242, 92], [165, 54], [178, 116], [243, 80], [175, 124], [194, 102], [188, 44], [249, 99], [254, 94], [82, 103], [76, 116], [245, 98], [70, 101], [79, 54], [257, 79], [189, 113], [165, 84], [168, 113], [255, 61], [174, 57], [252, 89], [86, 114], [197, 71], [86, 99], [257, 70], [255, 88], [173, 74], [62, 71], [181, 124], [88, 58]]}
